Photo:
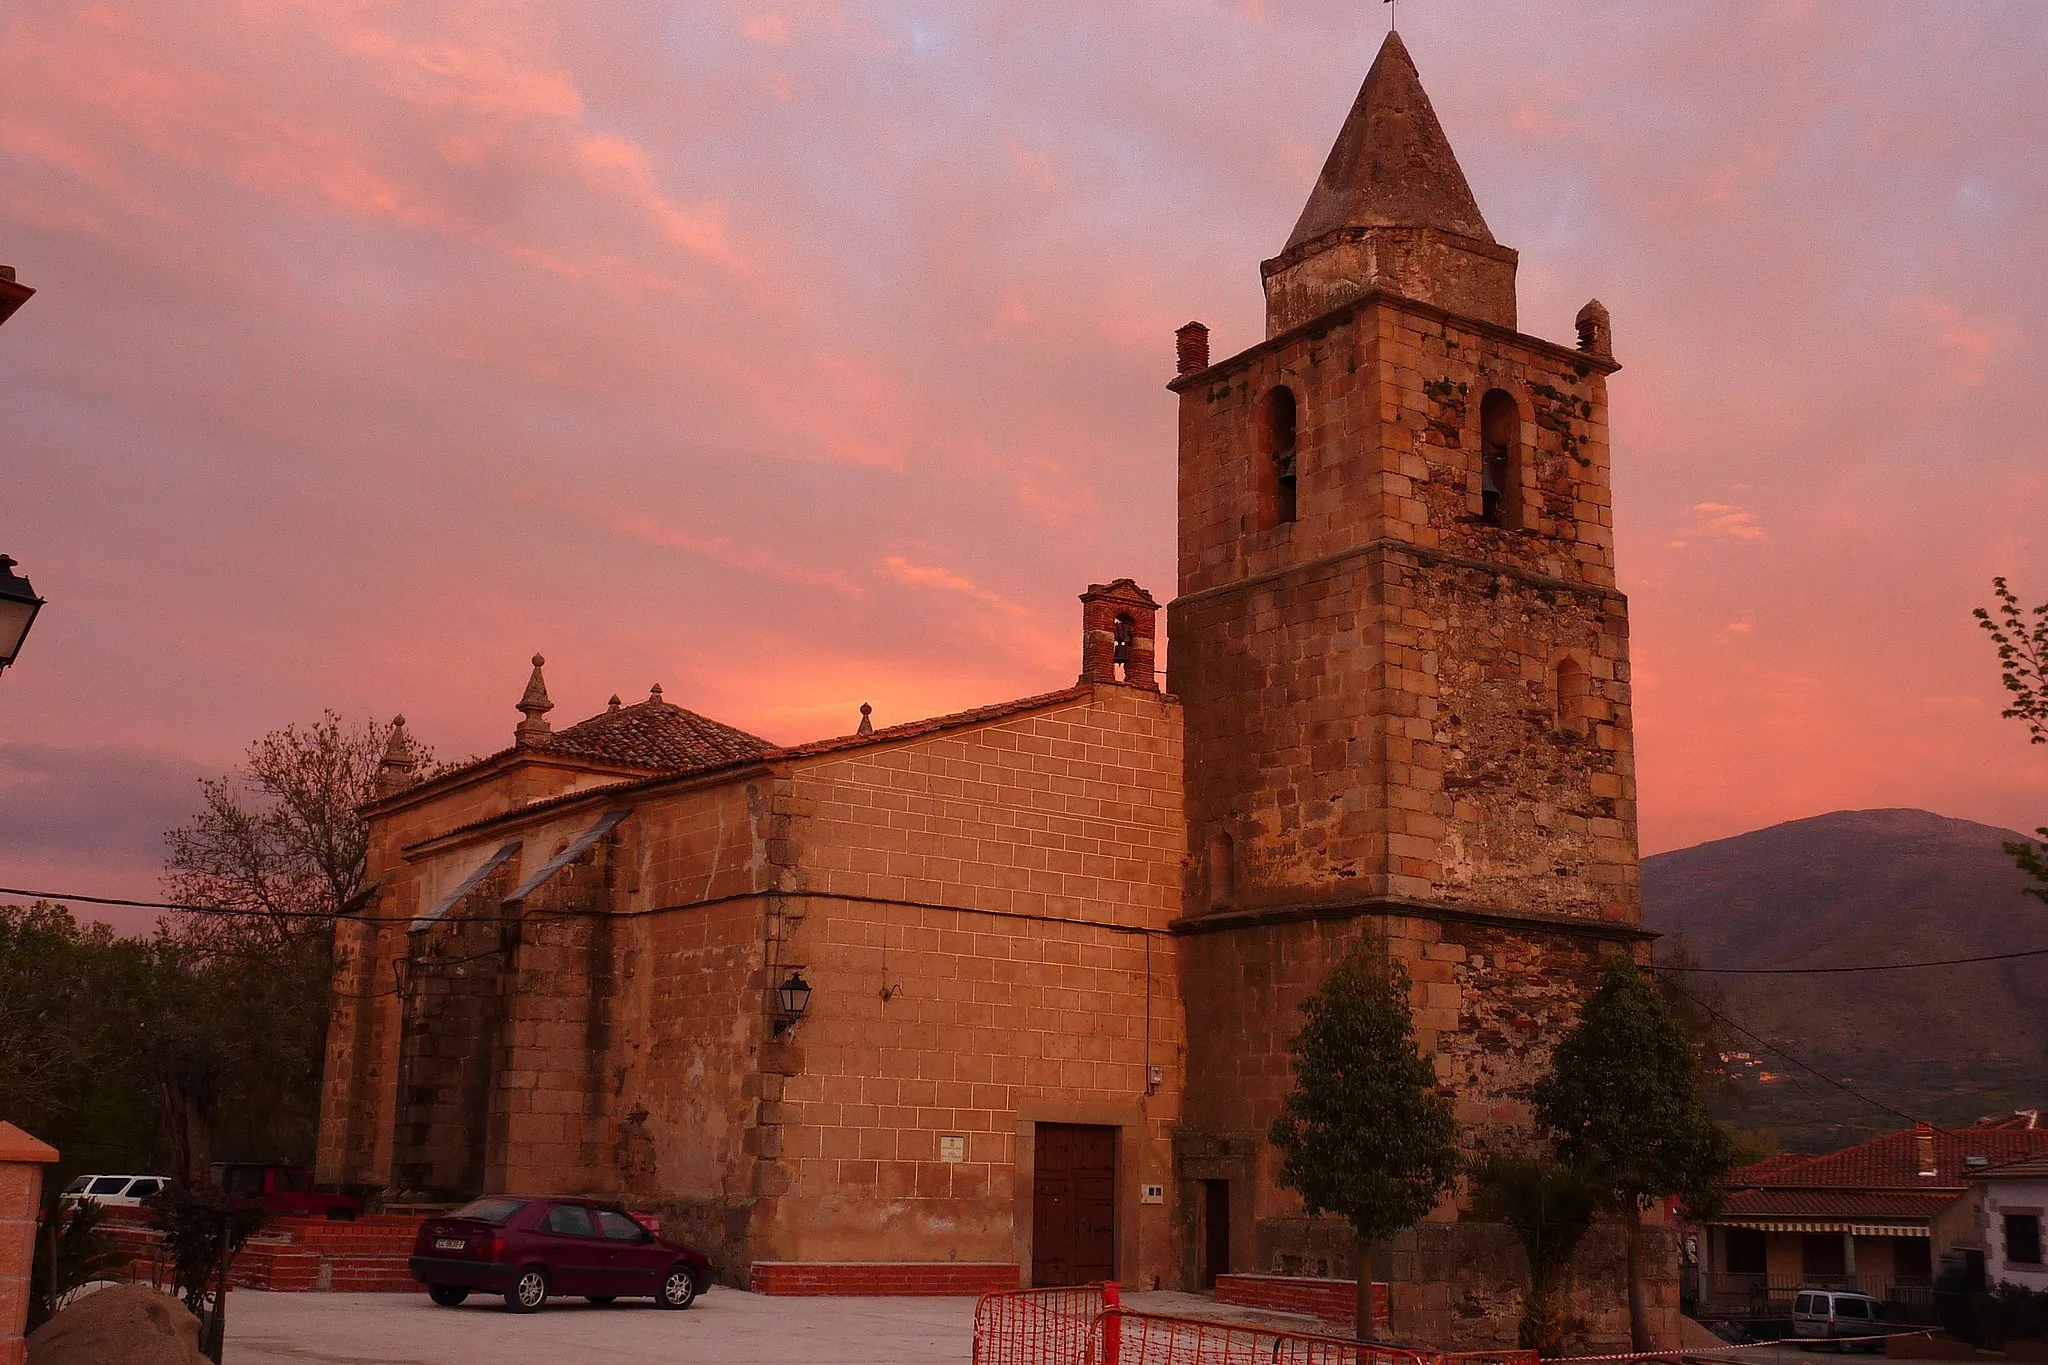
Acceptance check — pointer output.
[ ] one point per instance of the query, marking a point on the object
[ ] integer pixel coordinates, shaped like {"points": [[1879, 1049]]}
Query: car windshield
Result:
{"points": [[109, 1184], [295, 1182], [496, 1212], [78, 1186]]}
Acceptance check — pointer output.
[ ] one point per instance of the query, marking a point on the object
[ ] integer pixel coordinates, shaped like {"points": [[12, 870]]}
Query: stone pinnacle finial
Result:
{"points": [[654, 693], [867, 726], [534, 705], [395, 770], [1596, 330], [613, 704], [1391, 166]]}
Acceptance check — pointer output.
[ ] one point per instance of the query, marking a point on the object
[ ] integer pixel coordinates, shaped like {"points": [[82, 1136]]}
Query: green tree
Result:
{"points": [[74, 1075], [1365, 1133], [1623, 1097], [1550, 1205], [2021, 635]]}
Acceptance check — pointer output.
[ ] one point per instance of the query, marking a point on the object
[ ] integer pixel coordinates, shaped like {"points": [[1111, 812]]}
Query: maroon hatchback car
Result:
{"points": [[530, 1248]]}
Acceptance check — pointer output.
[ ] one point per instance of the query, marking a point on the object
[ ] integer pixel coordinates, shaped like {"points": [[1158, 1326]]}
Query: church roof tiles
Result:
{"points": [[654, 734]]}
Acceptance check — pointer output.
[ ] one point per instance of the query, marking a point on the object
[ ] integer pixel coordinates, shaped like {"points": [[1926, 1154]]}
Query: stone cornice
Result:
{"points": [[1316, 326], [1227, 921], [1424, 553]]}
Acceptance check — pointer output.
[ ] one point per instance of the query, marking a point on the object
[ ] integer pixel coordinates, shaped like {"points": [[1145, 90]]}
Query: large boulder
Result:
{"points": [[122, 1324]]}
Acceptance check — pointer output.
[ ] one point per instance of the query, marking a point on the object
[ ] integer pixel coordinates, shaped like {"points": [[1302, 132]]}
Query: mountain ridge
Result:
{"points": [[1854, 888]]}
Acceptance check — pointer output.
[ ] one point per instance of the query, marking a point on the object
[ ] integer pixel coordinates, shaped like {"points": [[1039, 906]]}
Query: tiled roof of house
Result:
{"points": [[2033, 1168], [653, 734], [1834, 1204], [1893, 1162]]}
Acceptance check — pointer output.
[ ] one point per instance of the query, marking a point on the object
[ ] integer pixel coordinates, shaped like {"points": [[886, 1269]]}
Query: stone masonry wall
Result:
{"points": [[360, 1081], [1406, 717], [1489, 1001], [1388, 397], [453, 1000], [552, 1089], [977, 915], [682, 1071]]}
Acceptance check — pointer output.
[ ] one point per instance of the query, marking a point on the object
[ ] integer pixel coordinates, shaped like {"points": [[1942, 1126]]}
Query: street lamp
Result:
{"points": [[18, 607], [792, 998]]}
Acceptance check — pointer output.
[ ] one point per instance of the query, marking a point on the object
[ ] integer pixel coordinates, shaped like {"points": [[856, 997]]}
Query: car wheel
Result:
{"points": [[529, 1291], [600, 1300], [447, 1295], [678, 1289]]}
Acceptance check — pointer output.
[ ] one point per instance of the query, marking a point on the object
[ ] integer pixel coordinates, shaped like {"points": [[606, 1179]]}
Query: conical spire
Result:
{"points": [[395, 770], [1392, 165], [534, 705]]}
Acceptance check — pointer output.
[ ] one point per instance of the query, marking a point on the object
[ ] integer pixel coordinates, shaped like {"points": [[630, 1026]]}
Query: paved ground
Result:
{"points": [[726, 1326]]}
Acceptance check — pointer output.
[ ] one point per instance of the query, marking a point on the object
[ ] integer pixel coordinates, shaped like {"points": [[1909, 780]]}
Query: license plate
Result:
{"points": [[449, 1244]]}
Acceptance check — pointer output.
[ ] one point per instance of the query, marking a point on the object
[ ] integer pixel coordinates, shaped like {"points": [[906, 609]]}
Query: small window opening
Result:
{"points": [[1222, 868], [1500, 460], [1125, 635], [1282, 442], [1571, 698]]}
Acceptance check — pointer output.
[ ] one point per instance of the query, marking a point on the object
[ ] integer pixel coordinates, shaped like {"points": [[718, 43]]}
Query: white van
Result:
{"points": [[1831, 1313], [127, 1191]]}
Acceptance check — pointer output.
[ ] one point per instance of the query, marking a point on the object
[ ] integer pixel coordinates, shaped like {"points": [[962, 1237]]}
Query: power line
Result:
{"points": [[1873, 967], [1799, 1062]]}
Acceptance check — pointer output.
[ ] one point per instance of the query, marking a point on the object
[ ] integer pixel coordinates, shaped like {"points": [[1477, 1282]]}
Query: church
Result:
{"points": [[1004, 997]]}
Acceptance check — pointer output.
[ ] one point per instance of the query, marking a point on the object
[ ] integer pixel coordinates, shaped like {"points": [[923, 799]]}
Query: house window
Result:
{"points": [[1500, 461], [1912, 1258], [1744, 1251], [2023, 1239], [1821, 1256], [1279, 447]]}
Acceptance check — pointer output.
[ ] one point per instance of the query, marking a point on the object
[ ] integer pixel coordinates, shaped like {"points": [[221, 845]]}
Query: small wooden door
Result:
{"points": [[1215, 1231], [1073, 1205]]}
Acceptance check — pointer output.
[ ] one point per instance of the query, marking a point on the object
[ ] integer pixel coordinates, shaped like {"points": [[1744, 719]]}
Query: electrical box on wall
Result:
{"points": [[1152, 1194]]}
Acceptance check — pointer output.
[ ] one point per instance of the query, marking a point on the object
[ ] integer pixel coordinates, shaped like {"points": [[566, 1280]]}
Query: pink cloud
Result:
{"points": [[810, 354]]}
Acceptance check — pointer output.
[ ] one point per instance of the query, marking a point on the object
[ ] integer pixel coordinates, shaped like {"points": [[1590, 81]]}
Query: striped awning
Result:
{"points": [[1825, 1225]]}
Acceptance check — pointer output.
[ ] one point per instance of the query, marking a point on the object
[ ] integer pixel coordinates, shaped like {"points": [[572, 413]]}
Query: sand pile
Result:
{"points": [[123, 1324]]}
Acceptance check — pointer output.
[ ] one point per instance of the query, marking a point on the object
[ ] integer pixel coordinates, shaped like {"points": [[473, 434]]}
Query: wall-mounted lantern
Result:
{"points": [[18, 607], [792, 998]]}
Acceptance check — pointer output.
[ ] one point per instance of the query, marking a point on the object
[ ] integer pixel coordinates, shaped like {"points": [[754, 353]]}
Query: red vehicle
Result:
{"points": [[284, 1191], [530, 1248]]}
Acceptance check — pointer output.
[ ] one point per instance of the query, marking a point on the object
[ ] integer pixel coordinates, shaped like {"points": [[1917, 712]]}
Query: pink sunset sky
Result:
{"points": [[798, 356]]}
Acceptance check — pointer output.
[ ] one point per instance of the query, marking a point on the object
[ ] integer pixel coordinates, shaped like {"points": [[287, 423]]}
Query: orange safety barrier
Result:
{"points": [[1040, 1326], [1123, 1337]]}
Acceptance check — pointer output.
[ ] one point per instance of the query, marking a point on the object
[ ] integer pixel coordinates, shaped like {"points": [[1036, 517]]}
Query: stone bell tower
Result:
{"points": [[1404, 667]]}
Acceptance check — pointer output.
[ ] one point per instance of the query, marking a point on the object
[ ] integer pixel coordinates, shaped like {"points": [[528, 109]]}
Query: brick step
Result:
{"points": [[1329, 1300]]}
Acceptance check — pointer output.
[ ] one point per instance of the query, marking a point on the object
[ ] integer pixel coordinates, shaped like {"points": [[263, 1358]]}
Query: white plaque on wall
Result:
{"points": [[952, 1148]]}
